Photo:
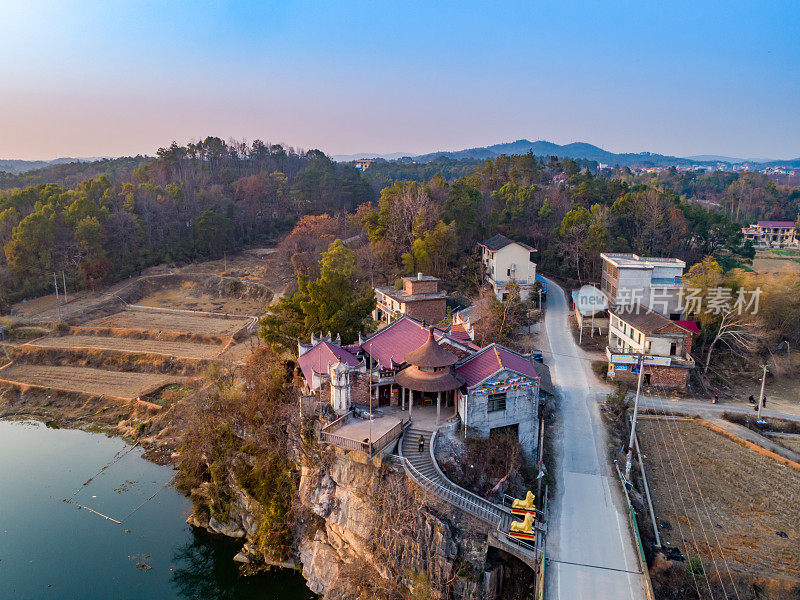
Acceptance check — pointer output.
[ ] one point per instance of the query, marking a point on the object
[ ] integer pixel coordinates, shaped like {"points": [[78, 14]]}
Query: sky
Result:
{"points": [[110, 78]]}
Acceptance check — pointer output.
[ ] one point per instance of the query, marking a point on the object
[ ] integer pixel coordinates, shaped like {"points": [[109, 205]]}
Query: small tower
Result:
{"points": [[340, 387]]}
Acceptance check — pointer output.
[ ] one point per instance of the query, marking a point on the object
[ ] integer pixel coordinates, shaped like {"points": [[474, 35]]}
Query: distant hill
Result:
{"points": [[576, 150], [14, 166], [72, 171]]}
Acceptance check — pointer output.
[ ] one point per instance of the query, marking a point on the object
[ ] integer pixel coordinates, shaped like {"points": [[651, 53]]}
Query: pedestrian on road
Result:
{"points": [[751, 399], [421, 443], [764, 402], [715, 399]]}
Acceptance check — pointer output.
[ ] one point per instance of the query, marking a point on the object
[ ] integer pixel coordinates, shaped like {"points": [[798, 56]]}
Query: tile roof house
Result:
{"points": [[772, 233], [504, 261], [666, 346]]}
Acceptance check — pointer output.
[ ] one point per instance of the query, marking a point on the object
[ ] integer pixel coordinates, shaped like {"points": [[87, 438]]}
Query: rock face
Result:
{"points": [[365, 527], [370, 517]]}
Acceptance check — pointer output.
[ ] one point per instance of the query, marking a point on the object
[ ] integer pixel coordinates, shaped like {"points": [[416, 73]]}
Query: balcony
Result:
{"points": [[618, 356]]}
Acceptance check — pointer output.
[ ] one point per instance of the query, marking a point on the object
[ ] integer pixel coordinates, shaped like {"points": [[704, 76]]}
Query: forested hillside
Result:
{"points": [[105, 220], [566, 212], [191, 201]]}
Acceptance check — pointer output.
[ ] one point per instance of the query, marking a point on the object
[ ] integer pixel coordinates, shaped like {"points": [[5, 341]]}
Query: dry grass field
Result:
{"points": [[178, 349], [767, 261], [792, 443], [86, 380], [145, 320], [190, 295], [746, 501]]}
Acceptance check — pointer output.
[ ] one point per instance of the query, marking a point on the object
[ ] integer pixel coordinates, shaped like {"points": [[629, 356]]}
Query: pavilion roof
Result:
{"points": [[424, 381], [430, 354]]}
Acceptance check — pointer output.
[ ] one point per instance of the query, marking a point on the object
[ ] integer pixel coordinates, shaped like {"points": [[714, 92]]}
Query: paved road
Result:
{"points": [[589, 540]]}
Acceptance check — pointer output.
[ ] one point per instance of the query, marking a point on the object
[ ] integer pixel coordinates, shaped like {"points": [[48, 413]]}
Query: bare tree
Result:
{"points": [[735, 332]]}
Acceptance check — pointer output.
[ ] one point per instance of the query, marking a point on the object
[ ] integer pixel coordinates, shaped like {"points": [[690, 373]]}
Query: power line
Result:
{"points": [[705, 508]]}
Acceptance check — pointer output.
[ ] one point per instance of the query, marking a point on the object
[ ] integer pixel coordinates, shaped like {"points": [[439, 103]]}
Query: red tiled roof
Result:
{"points": [[320, 356], [690, 325], [776, 223], [397, 339], [492, 359], [458, 332]]}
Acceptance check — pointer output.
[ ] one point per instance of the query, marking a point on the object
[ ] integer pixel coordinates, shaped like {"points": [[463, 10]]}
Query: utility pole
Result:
{"points": [[225, 256], [541, 457], [58, 301], [64, 281], [369, 387], [761, 395], [633, 424]]}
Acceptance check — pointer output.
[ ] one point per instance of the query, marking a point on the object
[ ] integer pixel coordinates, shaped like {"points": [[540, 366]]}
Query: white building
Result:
{"points": [[505, 260], [630, 279]]}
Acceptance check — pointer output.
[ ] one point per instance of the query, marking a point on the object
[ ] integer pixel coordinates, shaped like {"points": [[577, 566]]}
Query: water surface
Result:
{"points": [[52, 549]]}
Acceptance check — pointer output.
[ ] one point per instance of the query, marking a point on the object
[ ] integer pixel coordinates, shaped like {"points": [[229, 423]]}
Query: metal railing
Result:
{"points": [[485, 511]]}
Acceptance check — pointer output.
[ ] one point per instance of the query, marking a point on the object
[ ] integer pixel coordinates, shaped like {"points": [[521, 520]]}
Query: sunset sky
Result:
{"points": [[119, 78]]}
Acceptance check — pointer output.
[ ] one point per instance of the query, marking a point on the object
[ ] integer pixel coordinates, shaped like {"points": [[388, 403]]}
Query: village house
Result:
{"points": [[505, 260], [771, 234], [408, 366], [631, 280], [666, 346], [419, 297]]}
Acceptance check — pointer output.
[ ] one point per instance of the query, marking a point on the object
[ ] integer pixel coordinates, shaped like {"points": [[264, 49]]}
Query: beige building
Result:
{"points": [[771, 233], [419, 298], [505, 260]]}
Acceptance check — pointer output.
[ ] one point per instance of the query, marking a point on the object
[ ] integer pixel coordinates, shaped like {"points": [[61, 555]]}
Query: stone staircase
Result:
{"points": [[421, 468], [420, 460]]}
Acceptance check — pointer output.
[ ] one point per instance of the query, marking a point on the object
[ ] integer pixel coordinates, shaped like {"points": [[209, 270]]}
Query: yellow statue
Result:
{"points": [[523, 530], [522, 507]]}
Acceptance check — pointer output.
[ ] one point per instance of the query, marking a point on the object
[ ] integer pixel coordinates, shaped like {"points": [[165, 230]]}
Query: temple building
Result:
{"points": [[425, 372]]}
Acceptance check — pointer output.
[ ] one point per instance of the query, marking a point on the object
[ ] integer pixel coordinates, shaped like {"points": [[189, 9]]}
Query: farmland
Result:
{"points": [[86, 380], [145, 320], [733, 503], [178, 349]]}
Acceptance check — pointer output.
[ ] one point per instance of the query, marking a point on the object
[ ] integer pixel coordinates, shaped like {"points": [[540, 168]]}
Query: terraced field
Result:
{"points": [[178, 349], [732, 502], [145, 320], [86, 380]]}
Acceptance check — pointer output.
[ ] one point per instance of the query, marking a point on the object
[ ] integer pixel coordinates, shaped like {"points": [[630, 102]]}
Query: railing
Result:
{"points": [[388, 437], [370, 449], [489, 514]]}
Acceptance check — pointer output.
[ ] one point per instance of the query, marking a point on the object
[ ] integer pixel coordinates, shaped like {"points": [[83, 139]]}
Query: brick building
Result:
{"points": [[666, 346], [419, 298]]}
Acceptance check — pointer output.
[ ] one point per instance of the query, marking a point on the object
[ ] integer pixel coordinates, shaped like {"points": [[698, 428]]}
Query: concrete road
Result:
{"points": [[589, 542]]}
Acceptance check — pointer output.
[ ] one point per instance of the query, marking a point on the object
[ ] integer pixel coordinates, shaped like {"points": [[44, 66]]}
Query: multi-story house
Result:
{"points": [[631, 280], [772, 234], [665, 345], [504, 261], [419, 298]]}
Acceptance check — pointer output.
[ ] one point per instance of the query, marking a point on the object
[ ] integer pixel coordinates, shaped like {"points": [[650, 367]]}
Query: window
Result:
{"points": [[497, 402]]}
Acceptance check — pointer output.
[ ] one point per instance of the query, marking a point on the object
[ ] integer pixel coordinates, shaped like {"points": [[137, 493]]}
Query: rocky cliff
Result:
{"points": [[364, 530]]}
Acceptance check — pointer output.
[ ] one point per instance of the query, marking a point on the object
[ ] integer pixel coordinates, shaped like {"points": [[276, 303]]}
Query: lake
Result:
{"points": [[52, 549]]}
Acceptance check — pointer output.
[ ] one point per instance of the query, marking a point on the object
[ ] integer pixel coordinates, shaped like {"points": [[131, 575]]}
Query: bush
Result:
{"points": [[600, 368]]}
